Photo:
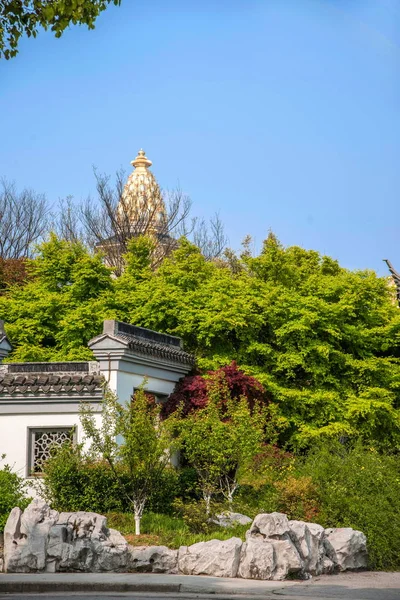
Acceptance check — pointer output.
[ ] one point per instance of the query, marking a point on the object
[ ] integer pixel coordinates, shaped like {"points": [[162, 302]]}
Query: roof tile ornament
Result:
{"points": [[141, 199]]}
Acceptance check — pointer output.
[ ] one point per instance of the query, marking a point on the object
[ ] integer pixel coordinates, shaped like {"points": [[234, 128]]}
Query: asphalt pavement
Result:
{"points": [[111, 586]]}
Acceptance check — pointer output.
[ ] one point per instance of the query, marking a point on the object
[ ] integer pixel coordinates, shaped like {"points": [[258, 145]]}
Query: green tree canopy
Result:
{"points": [[19, 17], [323, 340], [61, 306]]}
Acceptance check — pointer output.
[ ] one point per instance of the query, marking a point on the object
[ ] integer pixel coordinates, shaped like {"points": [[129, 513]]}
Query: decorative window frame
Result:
{"points": [[32, 431]]}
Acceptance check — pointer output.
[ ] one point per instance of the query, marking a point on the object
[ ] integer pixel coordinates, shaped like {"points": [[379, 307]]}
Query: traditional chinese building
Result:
{"points": [[39, 402]]}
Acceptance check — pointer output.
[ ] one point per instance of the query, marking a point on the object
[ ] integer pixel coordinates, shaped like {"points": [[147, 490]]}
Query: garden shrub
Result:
{"points": [[76, 481], [194, 515], [161, 500], [192, 392], [12, 493], [188, 484], [298, 498], [359, 488]]}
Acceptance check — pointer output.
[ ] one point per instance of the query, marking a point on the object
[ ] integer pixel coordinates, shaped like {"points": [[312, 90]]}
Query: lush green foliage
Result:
{"points": [[359, 488], [322, 340], [75, 480], [61, 307], [335, 485], [12, 493], [18, 17]]}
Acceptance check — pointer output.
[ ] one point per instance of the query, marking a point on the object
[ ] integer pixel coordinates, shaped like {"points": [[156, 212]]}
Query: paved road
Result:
{"points": [[346, 586], [315, 593]]}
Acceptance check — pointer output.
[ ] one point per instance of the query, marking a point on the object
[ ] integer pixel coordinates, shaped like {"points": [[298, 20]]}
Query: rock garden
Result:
{"points": [[40, 539]]}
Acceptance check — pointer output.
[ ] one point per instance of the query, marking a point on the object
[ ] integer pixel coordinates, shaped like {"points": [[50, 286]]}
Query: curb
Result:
{"points": [[37, 585], [42, 587]]}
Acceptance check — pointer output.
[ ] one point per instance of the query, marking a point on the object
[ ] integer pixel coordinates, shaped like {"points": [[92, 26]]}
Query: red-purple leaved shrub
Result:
{"points": [[191, 391]]}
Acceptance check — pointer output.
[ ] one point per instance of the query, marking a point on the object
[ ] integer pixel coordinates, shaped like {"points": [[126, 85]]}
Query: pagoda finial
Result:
{"points": [[141, 160]]}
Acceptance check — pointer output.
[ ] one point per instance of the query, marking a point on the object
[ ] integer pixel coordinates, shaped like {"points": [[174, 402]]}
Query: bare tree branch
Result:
{"points": [[24, 220], [111, 221], [66, 222], [108, 222]]}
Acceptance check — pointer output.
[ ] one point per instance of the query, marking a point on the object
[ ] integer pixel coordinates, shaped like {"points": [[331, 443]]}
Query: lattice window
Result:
{"points": [[42, 443]]}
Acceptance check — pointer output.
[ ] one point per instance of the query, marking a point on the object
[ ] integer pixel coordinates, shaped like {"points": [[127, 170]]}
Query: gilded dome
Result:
{"points": [[141, 200]]}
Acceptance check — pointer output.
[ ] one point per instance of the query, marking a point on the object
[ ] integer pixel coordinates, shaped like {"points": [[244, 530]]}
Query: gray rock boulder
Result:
{"points": [[257, 560], [276, 548], [269, 551], [346, 548], [153, 559], [81, 541], [26, 537], [216, 558], [229, 519], [270, 526], [308, 539], [41, 539]]}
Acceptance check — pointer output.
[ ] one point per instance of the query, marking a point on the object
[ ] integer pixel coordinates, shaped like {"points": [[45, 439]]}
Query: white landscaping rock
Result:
{"points": [[81, 541], [270, 525], [229, 519], [26, 536], [269, 551], [257, 560], [215, 558], [41, 539], [153, 559], [346, 548], [308, 539]]}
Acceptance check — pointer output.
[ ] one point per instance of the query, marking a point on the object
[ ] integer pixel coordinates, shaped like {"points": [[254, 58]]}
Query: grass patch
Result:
{"points": [[165, 530]]}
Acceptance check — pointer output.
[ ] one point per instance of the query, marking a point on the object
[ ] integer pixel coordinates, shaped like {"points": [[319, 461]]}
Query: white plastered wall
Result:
{"points": [[14, 435]]}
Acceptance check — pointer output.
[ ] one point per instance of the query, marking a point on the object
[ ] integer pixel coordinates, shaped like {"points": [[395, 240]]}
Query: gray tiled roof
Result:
{"points": [[145, 341], [152, 348], [38, 381]]}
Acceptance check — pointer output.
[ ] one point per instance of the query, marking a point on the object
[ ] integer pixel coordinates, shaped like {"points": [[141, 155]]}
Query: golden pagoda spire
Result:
{"points": [[141, 160]]}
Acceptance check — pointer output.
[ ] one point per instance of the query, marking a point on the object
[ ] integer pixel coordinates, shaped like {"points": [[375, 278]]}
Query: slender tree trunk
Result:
{"points": [[138, 513], [137, 524], [228, 488], [207, 500]]}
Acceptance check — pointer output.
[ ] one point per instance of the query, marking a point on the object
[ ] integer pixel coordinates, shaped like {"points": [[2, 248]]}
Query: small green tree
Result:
{"points": [[134, 442], [221, 440], [12, 492]]}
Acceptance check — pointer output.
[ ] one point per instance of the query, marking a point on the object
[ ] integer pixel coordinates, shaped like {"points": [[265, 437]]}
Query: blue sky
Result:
{"points": [[278, 114]]}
